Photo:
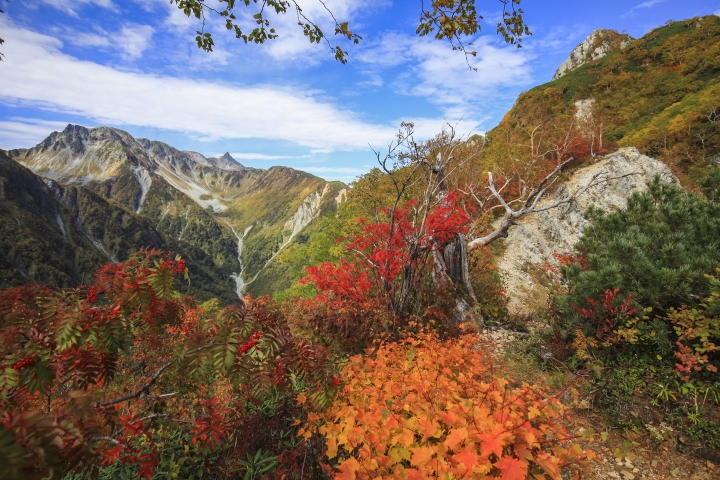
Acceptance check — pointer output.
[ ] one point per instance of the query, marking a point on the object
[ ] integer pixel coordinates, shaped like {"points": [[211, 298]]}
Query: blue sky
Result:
{"points": [[133, 64]]}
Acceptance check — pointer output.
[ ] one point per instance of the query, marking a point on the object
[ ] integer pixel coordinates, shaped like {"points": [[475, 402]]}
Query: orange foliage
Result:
{"points": [[424, 408]]}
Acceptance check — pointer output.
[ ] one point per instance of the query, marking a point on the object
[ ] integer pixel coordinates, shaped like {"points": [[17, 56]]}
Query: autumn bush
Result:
{"points": [[128, 376], [387, 278], [427, 408]]}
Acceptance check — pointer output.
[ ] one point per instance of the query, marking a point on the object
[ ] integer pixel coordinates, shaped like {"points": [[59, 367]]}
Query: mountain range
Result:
{"points": [[84, 196]]}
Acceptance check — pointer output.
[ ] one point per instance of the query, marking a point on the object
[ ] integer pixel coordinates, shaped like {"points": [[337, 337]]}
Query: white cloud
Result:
{"points": [[38, 74], [350, 170], [88, 39], [430, 69], [25, 132], [256, 156], [647, 4], [133, 40], [69, 5]]}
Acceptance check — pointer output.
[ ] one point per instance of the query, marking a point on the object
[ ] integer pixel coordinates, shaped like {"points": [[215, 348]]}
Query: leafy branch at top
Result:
{"points": [[453, 20], [264, 31]]}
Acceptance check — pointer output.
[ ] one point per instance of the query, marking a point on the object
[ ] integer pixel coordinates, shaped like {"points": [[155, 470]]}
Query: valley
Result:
{"points": [[192, 201]]}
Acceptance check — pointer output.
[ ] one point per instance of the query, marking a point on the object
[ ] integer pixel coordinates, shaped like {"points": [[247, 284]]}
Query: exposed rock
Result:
{"points": [[308, 211], [225, 162], [598, 44], [464, 313], [342, 195], [532, 244], [144, 180]]}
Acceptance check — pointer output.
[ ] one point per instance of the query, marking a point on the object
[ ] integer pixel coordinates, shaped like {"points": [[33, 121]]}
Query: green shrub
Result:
{"points": [[658, 249]]}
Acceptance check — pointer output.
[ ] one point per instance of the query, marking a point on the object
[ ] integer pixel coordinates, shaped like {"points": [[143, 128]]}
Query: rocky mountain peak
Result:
{"points": [[225, 162], [598, 44]]}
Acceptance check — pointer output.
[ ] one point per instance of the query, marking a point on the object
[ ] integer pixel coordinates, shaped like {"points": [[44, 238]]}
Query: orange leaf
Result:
{"points": [[421, 455], [457, 435], [494, 441], [348, 469], [414, 474], [512, 468], [429, 428], [466, 458], [590, 454], [548, 463], [449, 418], [406, 438]]}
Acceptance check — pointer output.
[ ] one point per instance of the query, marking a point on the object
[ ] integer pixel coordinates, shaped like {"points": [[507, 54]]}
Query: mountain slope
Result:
{"points": [[235, 215], [60, 234], [658, 93]]}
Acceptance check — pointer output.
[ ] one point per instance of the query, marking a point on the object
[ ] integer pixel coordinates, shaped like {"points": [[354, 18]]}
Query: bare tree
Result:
{"points": [[427, 168]]}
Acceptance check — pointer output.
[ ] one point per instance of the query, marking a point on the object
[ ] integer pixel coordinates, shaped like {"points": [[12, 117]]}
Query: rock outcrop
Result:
{"points": [[598, 44], [532, 244]]}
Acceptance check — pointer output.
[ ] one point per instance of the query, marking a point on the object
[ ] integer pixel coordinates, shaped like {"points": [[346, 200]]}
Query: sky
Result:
{"points": [[134, 65]]}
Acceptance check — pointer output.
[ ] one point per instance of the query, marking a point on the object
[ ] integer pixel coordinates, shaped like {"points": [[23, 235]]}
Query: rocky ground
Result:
{"points": [[657, 452], [632, 456]]}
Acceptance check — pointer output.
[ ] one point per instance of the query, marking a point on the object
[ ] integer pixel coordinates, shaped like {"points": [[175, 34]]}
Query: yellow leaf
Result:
{"points": [[399, 454], [533, 412], [331, 447]]}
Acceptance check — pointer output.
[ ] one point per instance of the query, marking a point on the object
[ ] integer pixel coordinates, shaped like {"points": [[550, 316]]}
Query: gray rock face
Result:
{"points": [[532, 245], [226, 162], [598, 44]]}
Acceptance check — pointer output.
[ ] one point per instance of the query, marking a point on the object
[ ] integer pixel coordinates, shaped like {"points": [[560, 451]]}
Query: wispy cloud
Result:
{"points": [[205, 110], [429, 69], [69, 6], [84, 39], [131, 40], [258, 156], [26, 132], [647, 4]]}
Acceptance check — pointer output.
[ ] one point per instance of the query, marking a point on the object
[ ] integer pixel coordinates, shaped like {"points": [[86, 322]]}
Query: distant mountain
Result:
{"points": [[238, 217], [55, 234]]}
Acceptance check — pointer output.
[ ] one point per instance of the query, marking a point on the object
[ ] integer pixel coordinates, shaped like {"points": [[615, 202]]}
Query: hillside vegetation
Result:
{"points": [[660, 93]]}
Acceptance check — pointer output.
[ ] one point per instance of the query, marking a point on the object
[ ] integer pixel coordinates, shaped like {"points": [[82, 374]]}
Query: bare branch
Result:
{"points": [[104, 439], [530, 205], [138, 393], [545, 180], [491, 185]]}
